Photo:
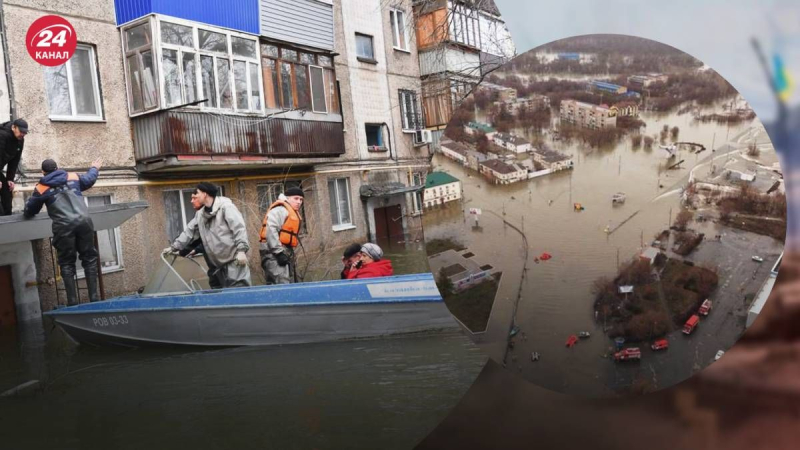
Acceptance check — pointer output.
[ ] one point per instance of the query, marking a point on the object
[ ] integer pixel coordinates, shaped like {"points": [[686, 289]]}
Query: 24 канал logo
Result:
{"points": [[51, 40]]}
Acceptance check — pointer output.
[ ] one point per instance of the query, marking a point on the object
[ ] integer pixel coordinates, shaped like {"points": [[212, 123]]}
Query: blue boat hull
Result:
{"points": [[264, 315]]}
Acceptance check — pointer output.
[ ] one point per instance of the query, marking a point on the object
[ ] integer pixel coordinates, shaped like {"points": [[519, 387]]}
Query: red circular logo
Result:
{"points": [[51, 40]]}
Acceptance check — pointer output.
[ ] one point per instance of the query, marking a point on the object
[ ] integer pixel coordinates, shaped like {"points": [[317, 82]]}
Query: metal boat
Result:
{"points": [[262, 315]]}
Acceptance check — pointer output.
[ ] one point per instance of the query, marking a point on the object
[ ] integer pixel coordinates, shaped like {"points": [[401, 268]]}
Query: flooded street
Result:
{"points": [[556, 298], [386, 393]]}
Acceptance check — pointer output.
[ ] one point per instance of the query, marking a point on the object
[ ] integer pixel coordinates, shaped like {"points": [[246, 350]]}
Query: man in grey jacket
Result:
{"points": [[220, 227]]}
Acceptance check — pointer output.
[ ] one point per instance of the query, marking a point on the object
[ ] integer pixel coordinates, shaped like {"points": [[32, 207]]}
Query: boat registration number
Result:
{"points": [[110, 321]]}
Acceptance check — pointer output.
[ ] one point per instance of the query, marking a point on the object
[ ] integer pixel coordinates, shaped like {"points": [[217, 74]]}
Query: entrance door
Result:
{"points": [[8, 314], [389, 222]]}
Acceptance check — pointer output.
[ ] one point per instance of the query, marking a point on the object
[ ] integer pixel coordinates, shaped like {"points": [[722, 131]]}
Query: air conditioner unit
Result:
{"points": [[422, 137]]}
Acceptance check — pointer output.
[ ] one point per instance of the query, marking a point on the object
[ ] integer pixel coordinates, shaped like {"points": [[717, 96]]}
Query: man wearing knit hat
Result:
{"points": [[219, 224], [279, 236], [73, 230]]}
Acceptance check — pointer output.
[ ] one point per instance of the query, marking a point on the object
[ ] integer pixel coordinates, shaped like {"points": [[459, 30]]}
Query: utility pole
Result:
{"points": [[617, 258], [670, 217], [641, 239], [712, 141]]}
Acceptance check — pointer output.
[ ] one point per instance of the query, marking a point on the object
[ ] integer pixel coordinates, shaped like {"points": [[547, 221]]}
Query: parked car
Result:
{"points": [[758, 259], [719, 355], [661, 344]]}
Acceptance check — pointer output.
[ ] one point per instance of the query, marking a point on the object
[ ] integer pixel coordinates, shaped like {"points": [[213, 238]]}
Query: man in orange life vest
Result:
{"points": [[73, 230], [279, 237]]}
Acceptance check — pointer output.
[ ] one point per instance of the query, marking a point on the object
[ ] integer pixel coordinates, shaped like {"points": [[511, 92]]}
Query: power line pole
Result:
{"points": [[670, 217]]}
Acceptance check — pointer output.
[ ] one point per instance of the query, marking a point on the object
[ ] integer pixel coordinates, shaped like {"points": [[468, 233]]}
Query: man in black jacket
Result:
{"points": [[12, 139]]}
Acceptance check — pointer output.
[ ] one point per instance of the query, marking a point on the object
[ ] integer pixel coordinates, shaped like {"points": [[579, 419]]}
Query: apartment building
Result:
{"points": [[254, 96], [587, 115]]}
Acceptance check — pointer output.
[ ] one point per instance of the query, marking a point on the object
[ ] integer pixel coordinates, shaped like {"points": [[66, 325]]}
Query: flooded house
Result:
{"points": [[253, 96]]}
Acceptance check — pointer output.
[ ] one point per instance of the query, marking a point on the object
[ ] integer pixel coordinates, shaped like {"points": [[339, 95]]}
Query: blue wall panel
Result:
{"points": [[240, 15]]}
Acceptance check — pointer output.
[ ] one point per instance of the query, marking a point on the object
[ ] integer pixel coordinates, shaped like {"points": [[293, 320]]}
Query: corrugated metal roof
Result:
{"points": [[240, 15], [439, 178]]}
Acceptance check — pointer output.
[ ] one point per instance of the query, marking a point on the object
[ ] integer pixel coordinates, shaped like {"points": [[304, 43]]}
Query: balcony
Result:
{"points": [[183, 140]]}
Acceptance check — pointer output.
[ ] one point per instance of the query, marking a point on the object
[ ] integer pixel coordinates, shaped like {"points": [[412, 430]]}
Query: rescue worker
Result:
{"points": [[220, 226], [196, 247], [371, 263], [279, 236], [12, 140], [73, 230]]}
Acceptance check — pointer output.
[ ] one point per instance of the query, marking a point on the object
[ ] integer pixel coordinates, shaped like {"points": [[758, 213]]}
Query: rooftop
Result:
{"points": [[439, 179], [513, 139], [480, 126], [605, 84], [551, 155], [499, 166], [457, 147]]}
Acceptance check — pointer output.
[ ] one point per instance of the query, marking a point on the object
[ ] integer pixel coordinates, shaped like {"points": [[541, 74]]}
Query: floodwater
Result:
{"points": [[381, 393], [387, 393], [556, 299]]}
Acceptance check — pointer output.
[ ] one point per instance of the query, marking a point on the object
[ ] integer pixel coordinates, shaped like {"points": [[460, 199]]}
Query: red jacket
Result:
{"points": [[380, 268]]}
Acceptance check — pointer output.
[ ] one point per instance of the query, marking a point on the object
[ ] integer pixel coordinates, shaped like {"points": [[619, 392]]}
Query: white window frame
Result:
{"points": [[311, 89], [120, 266], [394, 19], [157, 46], [349, 225], [407, 127], [74, 117]]}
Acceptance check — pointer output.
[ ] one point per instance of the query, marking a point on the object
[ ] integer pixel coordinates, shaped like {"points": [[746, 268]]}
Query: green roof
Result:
{"points": [[486, 128], [439, 179]]}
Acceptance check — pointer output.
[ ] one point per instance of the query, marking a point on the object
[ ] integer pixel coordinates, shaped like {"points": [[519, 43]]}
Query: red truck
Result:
{"points": [[705, 308], [661, 344], [691, 324], [632, 353]]}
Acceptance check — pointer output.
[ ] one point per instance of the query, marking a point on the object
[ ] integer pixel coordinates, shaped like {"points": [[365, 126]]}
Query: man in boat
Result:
{"points": [[196, 247], [279, 236], [349, 258], [73, 230], [371, 263], [220, 226]]}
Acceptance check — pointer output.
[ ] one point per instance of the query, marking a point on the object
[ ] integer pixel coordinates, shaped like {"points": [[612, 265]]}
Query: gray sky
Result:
{"points": [[716, 32]]}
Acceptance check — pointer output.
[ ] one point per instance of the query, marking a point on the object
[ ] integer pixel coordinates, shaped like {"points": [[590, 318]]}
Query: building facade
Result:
{"points": [[459, 42], [512, 142], [254, 96], [441, 188], [587, 115], [500, 172]]}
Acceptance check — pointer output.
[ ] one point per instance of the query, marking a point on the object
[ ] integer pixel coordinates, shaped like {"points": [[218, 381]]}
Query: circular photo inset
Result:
{"points": [[606, 215]]}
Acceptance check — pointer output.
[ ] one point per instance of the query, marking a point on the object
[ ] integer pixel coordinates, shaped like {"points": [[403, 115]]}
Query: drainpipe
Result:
{"points": [[12, 111]]}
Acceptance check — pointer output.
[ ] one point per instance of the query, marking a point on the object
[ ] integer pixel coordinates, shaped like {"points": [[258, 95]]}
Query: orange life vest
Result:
{"points": [[42, 188], [290, 228]]}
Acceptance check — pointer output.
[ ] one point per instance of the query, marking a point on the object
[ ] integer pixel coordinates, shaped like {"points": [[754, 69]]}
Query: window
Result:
{"points": [[196, 63], [268, 194], [374, 136], [417, 179], [298, 80], [140, 73], [364, 49], [399, 35], [179, 210], [464, 25], [339, 192], [73, 88], [109, 247], [410, 110]]}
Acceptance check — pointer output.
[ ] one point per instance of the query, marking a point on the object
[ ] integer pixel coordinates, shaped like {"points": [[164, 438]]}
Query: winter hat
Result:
{"points": [[351, 250], [208, 188], [48, 165], [372, 250], [294, 191]]}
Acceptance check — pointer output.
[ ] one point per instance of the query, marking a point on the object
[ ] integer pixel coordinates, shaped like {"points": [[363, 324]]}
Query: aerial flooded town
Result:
{"points": [[606, 215]]}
